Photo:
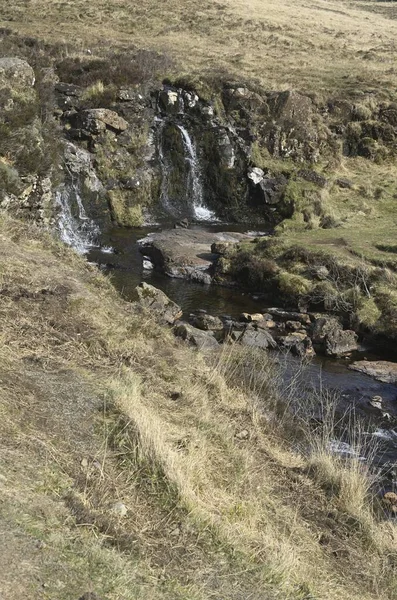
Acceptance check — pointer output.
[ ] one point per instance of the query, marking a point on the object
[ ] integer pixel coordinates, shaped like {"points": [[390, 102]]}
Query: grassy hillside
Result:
{"points": [[219, 504], [316, 45]]}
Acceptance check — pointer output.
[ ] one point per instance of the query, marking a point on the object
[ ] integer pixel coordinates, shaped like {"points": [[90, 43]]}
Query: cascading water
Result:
{"points": [[201, 212], [76, 230], [193, 189]]}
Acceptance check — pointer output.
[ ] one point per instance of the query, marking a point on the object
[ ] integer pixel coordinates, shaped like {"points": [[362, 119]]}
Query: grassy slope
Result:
{"points": [[87, 420], [317, 45]]}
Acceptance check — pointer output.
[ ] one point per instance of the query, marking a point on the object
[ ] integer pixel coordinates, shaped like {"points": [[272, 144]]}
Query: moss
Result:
{"points": [[369, 313], [124, 212], [293, 285]]}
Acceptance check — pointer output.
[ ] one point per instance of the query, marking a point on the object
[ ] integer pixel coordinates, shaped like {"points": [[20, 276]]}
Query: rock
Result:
{"points": [[154, 300], [183, 224], [243, 435], [171, 102], [119, 509], [322, 326], [381, 370], [285, 315], [185, 253], [249, 318], [266, 324], [257, 339], [298, 344], [313, 177], [293, 325], [203, 340], [339, 342], [390, 501], [344, 183], [16, 73], [94, 121], [256, 175], [207, 322]]}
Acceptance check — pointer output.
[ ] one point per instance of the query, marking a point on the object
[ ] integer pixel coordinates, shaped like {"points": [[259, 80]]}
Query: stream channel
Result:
{"points": [[120, 258]]}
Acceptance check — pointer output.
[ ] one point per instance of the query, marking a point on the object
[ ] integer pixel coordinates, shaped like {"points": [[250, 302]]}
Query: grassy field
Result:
{"points": [[88, 420], [324, 47]]}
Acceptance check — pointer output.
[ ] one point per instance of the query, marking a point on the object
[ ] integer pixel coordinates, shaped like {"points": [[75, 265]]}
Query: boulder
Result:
{"points": [[258, 339], [171, 102], [16, 73], [339, 342], [284, 315], [298, 343], [203, 340], [94, 121], [381, 370], [185, 253], [207, 322], [322, 326], [293, 325], [158, 303]]}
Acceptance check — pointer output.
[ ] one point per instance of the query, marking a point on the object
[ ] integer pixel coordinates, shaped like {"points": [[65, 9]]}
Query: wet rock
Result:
{"points": [[339, 342], [185, 253], [203, 340], [183, 224], [158, 303], [256, 175], [381, 370], [258, 339], [207, 322], [171, 102], [251, 317], [284, 315], [299, 344]]}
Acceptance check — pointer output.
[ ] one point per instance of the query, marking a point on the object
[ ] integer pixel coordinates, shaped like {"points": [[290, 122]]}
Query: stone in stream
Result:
{"points": [[250, 318], [158, 303], [381, 370], [203, 340], [207, 322], [340, 342], [185, 253], [329, 335], [285, 315], [298, 343], [257, 339]]}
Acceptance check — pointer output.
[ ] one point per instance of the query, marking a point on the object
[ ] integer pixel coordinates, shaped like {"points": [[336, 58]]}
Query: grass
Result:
{"points": [[280, 45], [88, 420]]}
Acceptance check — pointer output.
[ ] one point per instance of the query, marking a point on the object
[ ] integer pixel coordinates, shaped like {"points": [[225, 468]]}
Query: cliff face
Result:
{"points": [[134, 153]]}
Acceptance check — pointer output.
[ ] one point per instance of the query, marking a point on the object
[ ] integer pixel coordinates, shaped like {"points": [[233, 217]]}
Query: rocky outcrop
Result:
{"points": [[207, 322], [158, 303], [16, 73], [384, 371]]}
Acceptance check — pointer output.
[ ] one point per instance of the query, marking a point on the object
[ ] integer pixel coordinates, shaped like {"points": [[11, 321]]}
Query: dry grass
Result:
{"points": [[88, 419], [282, 45]]}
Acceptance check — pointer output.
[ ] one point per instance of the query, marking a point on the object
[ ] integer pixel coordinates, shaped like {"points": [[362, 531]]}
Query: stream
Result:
{"points": [[123, 262]]}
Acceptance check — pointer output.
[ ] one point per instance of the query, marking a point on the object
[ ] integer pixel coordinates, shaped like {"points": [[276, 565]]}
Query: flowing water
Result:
{"points": [[192, 204], [75, 228]]}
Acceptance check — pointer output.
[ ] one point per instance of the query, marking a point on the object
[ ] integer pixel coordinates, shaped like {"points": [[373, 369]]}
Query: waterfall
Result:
{"points": [[75, 228], [193, 188], [201, 212]]}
